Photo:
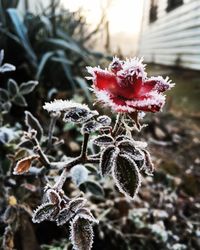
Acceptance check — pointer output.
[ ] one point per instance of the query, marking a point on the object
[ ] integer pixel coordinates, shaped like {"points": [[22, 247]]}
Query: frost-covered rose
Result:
{"points": [[125, 86]]}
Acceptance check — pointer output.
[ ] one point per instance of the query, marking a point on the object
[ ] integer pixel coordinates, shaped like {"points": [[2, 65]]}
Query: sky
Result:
{"points": [[124, 18]]}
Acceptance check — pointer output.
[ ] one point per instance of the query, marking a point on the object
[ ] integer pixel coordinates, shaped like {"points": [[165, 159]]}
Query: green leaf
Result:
{"points": [[44, 60], [62, 44], [33, 123], [103, 140], [20, 101], [126, 175], [107, 160], [12, 87], [127, 147], [84, 86], [43, 212], [4, 95], [21, 32], [92, 187], [27, 87]]}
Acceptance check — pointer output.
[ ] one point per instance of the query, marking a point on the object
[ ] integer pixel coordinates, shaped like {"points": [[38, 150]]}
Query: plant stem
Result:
{"points": [[117, 124], [51, 129], [43, 157], [84, 146], [82, 158]]}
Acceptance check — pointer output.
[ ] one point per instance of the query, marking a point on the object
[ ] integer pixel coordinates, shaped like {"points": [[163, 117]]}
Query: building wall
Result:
{"points": [[174, 38]]}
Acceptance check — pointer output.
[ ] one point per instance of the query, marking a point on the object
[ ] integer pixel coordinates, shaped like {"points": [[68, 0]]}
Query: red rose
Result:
{"points": [[125, 86]]}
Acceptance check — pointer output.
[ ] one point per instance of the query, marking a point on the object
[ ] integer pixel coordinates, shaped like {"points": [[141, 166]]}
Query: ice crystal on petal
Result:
{"points": [[126, 88]]}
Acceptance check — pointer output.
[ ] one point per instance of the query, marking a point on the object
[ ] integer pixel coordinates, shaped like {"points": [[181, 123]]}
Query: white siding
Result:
{"points": [[174, 38]]}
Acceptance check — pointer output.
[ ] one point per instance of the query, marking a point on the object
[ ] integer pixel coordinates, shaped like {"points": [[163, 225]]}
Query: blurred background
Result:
{"points": [[52, 41]]}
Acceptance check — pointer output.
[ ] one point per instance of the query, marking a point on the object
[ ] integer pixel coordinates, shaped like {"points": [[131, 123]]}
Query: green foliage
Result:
{"points": [[50, 46]]}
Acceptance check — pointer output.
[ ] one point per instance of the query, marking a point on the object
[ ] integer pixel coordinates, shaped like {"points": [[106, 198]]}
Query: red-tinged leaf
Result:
{"points": [[81, 234], [126, 175], [24, 164], [107, 159], [53, 196], [43, 212], [29, 187]]}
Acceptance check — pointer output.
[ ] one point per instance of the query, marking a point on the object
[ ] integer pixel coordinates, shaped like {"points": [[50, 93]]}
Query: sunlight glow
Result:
{"points": [[123, 15]]}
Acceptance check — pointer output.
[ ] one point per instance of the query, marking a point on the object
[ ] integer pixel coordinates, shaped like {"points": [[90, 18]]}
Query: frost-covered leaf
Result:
{"points": [[90, 126], [32, 123], [103, 140], [86, 214], [63, 106], [24, 164], [10, 214], [53, 196], [104, 120], [27, 87], [126, 175], [76, 204], [81, 234], [79, 174], [122, 138], [6, 67], [106, 130], [127, 147], [93, 187], [5, 107], [20, 100], [4, 95], [65, 215], [148, 166], [26, 144], [12, 87], [78, 115], [43, 212], [107, 159]]}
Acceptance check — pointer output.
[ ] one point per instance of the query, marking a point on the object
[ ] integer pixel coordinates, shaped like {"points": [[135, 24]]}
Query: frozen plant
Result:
{"points": [[124, 87]]}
